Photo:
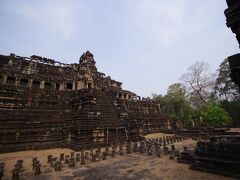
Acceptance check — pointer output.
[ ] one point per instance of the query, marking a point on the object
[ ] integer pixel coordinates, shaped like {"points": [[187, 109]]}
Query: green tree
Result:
{"points": [[214, 115], [226, 93], [233, 109], [175, 103], [225, 89]]}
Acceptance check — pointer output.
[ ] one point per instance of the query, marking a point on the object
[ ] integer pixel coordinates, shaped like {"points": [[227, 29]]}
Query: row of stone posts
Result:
{"points": [[150, 147]]}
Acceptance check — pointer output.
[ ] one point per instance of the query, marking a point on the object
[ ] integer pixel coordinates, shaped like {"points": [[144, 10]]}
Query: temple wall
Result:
{"points": [[43, 105]]}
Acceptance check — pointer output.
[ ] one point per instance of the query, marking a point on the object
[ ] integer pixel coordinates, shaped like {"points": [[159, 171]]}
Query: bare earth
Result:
{"points": [[133, 166], [235, 130]]}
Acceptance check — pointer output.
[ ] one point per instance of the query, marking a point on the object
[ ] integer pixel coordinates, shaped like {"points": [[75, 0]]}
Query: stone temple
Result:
{"points": [[47, 104]]}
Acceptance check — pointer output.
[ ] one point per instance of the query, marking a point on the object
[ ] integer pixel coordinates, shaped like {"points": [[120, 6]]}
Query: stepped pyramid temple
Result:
{"points": [[46, 104]]}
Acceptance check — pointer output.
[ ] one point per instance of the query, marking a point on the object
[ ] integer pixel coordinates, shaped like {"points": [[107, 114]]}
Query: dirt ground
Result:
{"points": [[234, 130], [129, 166]]}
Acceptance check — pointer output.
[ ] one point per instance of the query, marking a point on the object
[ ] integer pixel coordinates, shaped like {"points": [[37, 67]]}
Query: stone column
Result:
{"points": [[42, 83], [54, 86], [74, 85], [168, 124], [116, 135], [30, 83], [107, 135], [17, 81], [61, 87], [4, 79]]}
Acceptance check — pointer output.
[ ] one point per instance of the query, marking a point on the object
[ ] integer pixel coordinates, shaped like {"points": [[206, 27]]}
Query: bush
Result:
{"points": [[214, 115]]}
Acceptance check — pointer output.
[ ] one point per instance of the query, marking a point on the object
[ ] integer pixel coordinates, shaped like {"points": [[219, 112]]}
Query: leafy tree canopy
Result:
{"points": [[213, 114], [201, 94], [175, 103], [225, 89]]}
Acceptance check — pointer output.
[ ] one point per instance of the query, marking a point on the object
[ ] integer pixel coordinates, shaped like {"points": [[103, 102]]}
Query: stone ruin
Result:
{"points": [[46, 104], [233, 21], [154, 148]]}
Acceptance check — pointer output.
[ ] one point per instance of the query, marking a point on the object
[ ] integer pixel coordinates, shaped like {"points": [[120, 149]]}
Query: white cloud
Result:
{"points": [[57, 17], [160, 21]]}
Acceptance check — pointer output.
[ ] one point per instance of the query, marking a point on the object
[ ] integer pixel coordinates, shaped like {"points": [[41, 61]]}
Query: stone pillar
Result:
{"points": [[107, 134], [4, 79], [42, 83], [61, 87], [193, 123], [54, 86], [69, 138], [30, 83], [85, 84], [168, 124], [126, 133], [74, 86], [159, 107], [116, 135], [17, 81]]}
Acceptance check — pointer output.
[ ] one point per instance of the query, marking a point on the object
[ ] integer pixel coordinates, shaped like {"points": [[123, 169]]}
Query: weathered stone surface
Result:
{"points": [[219, 155], [232, 14], [46, 104]]}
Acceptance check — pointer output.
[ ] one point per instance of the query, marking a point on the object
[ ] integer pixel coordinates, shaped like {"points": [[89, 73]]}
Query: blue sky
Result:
{"points": [[146, 44]]}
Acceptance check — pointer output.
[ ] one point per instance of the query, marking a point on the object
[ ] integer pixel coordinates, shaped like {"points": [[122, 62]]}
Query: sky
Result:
{"points": [[145, 44]]}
